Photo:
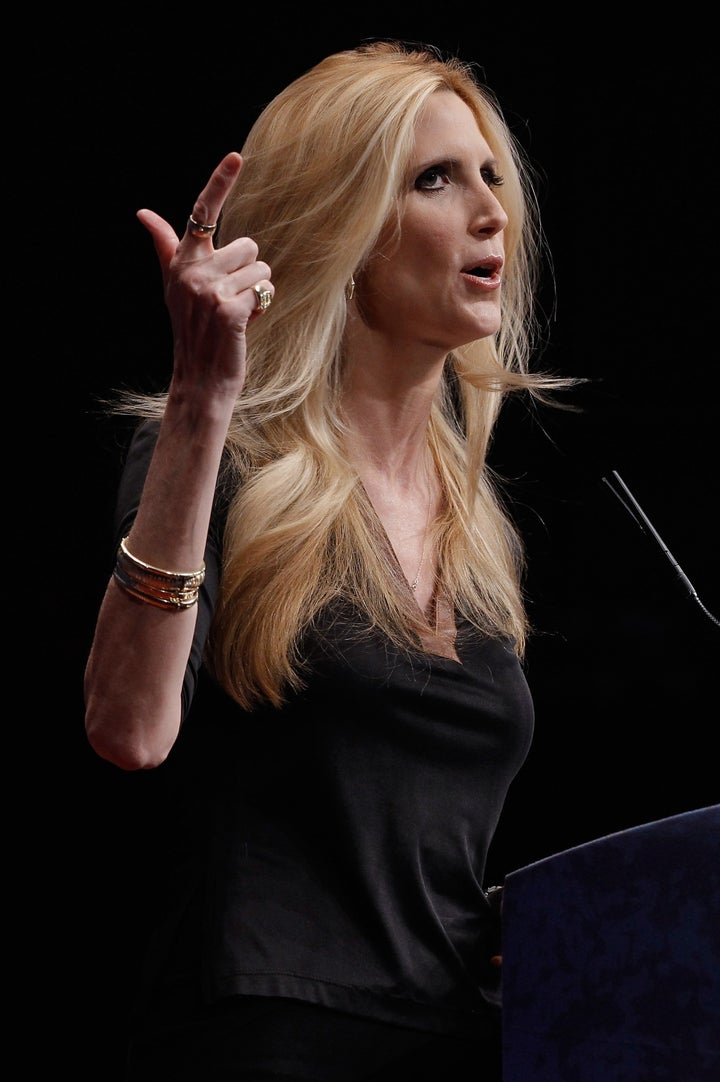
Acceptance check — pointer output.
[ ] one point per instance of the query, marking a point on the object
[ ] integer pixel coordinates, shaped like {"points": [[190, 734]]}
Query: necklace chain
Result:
{"points": [[414, 583]]}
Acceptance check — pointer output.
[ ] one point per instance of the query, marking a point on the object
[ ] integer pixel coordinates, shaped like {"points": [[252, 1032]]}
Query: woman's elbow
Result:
{"points": [[126, 742]]}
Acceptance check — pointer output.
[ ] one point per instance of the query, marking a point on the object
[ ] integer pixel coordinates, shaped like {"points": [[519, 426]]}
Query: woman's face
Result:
{"points": [[440, 284]]}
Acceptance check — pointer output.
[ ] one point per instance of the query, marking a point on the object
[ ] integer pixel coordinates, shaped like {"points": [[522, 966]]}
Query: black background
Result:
{"points": [[621, 123]]}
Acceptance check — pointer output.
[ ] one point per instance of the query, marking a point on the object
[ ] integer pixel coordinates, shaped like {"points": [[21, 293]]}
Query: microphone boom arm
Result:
{"points": [[620, 490]]}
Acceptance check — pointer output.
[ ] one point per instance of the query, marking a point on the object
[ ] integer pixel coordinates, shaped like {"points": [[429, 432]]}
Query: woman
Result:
{"points": [[309, 517]]}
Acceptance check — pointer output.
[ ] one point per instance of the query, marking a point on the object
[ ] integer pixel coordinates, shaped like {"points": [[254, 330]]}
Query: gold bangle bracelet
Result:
{"points": [[155, 585], [154, 595], [179, 578]]}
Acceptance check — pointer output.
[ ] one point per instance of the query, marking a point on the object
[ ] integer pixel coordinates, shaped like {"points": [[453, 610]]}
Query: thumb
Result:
{"points": [[164, 236]]}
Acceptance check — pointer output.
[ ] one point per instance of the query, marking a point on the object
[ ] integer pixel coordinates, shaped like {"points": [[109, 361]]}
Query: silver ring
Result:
{"points": [[197, 229], [264, 297]]}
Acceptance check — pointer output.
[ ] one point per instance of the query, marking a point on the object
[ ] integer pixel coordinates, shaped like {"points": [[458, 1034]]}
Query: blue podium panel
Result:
{"points": [[611, 958]]}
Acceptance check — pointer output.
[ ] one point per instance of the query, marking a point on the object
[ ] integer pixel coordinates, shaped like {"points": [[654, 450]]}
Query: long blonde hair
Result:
{"points": [[324, 167]]}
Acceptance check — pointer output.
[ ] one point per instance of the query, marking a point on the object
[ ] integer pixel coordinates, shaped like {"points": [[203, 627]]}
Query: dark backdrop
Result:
{"points": [[624, 663]]}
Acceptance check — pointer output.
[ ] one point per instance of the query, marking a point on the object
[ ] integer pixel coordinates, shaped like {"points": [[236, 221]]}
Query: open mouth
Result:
{"points": [[489, 268]]}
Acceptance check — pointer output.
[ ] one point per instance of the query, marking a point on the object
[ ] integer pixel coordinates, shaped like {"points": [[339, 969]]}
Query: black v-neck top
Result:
{"points": [[334, 850]]}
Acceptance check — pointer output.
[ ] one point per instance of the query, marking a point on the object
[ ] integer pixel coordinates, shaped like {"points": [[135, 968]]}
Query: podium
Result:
{"points": [[611, 958]]}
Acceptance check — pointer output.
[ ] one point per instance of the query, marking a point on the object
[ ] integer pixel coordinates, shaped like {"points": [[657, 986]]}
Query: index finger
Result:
{"points": [[203, 220]]}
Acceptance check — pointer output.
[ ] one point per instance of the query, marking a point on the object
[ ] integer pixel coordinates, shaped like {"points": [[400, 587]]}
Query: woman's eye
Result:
{"points": [[492, 179], [439, 176], [433, 179]]}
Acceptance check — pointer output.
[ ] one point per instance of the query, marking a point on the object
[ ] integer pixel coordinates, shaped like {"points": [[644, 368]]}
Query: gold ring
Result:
{"points": [[264, 297], [197, 229]]}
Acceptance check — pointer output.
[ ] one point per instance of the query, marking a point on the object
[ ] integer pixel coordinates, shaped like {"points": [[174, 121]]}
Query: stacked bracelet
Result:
{"points": [[154, 586]]}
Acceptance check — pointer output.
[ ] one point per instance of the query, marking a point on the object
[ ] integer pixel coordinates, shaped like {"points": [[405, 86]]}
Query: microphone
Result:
{"points": [[620, 490]]}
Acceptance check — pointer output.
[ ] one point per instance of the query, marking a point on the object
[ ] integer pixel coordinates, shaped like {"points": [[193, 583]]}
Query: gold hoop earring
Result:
{"points": [[350, 289]]}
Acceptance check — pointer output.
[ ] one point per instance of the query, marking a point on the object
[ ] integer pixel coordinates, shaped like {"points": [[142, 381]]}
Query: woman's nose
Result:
{"points": [[490, 216]]}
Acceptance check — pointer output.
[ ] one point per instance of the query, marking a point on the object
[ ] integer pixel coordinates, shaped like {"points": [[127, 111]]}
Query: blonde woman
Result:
{"points": [[315, 622]]}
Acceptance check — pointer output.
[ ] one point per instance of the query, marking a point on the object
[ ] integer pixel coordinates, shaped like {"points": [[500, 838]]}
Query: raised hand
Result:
{"points": [[211, 293]]}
